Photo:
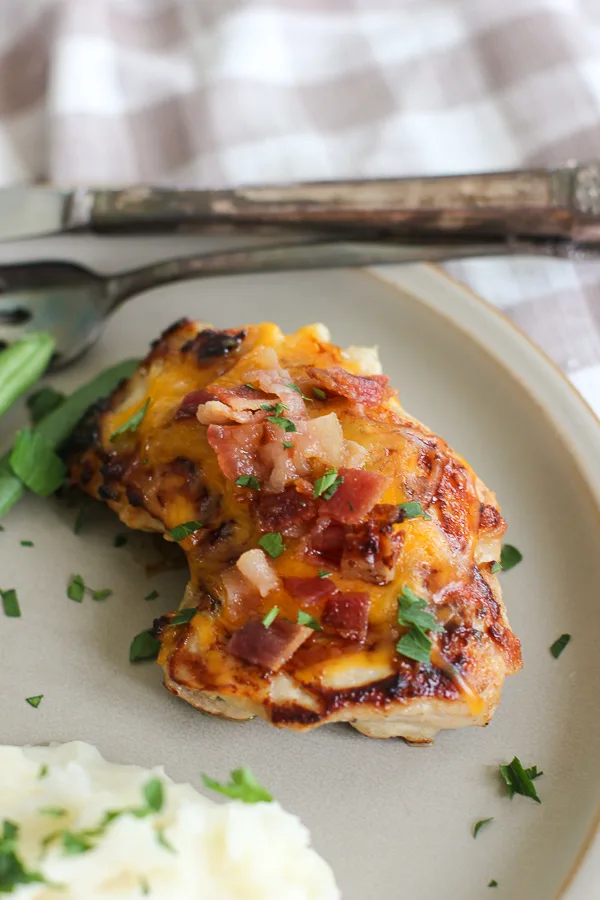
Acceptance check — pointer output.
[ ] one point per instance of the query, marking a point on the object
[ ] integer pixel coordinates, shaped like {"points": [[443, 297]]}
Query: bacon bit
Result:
{"points": [[371, 551], [190, 403], [256, 568], [269, 647], [347, 613], [367, 389], [236, 447], [241, 397], [356, 496], [327, 543], [216, 413], [241, 597], [289, 512], [309, 591]]}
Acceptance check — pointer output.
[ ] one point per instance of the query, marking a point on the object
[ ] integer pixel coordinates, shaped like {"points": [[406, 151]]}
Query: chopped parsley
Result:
{"points": [[294, 387], [413, 510], [276, 410], [479, 825], [327, 484], [10, 604], [43, 402], [133, 422], [143, 646], [559, 645], [305, 618], [152, 595], [26, 543], [287, 445], [13, 871], [77, 524], [320, 394], [183, 616], [251, 386], [519, 780], [184, 530], [509, 557], [34, 461], [120, 540], [249, 481], [493, 883], [323, 574], [34, 701], [144, 886], [496, 567], [160, 837], [242, 786], [413, 614], [76, 589], [43, 771], [270, 616], [102, 594], [282, 422], [55, 811], [154, 796], [272, 543]]}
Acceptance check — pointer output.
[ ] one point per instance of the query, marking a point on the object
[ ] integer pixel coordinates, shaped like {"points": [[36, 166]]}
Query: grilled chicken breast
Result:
{"points": [[341, 554]]}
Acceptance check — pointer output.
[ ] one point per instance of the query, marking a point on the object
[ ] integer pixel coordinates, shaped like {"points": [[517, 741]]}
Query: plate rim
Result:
{"points": [[401, 278]]}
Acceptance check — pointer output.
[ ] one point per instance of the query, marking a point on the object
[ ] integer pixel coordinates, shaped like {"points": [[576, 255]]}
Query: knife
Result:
{"points": [[561, 203]]}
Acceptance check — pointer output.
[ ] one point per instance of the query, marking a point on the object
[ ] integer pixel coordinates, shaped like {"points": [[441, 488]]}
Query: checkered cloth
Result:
{"points": [[219, 92]]}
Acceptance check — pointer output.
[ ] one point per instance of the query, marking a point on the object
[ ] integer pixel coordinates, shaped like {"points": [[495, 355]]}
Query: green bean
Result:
{"points": [[21, 365], [56, 427]]}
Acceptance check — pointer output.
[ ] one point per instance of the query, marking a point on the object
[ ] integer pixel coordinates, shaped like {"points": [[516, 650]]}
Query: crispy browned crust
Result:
{"points": [[168, 466]]}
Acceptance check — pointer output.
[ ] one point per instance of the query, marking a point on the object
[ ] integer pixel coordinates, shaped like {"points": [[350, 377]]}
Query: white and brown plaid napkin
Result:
{"points": [[219, 92]]}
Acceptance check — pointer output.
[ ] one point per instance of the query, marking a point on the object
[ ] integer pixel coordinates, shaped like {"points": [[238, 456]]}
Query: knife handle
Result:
{"points": [[563, 202]]}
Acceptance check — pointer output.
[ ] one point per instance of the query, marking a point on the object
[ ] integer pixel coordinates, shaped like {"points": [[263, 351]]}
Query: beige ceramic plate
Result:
{"points": [[393, 821]]}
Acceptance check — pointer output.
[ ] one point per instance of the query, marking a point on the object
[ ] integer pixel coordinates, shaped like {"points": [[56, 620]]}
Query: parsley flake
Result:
{"points": [[10, 604], [78, 523], [249, 481], [276, 410], [160, 837], [270, 616], [26, 543], [251, 386], [479, 825], [559, 645], [154, 795], [102, 594], [323, 574], [496, 567], [519, 780], [43, 771], [413, 510], [13, 871], [143, 646], [76, 589], [34, 701], [242, 786], [413, 614], [183, 616], [319, 393], [182, 531], [282, 422], [152, 595], [294, 387], [327, 484], [415, 645], [133, 422], [272, 543], [305, 618], [493, 883], [287, 445], [55, 811], [509, 557], [144, 886]]}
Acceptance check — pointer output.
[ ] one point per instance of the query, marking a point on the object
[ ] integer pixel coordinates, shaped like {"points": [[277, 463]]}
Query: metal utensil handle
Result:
{"points": [[562, 202], [315, 255]]}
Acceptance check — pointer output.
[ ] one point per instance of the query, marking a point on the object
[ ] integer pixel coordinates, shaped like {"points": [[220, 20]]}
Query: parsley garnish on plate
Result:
{"points": [[559, 645], [102, 594], [34, 461], [413, 614], [152, 595], [76, 589], [493, 883], [519, 780], [143, 646], [43, 771], [78, 523], [272, 543], [133, 422], [305, 618], [26, 543], [327, 484], [184, 530], [10, 604], [13, 871], [413, 510], [270, 616], [34, 701], [479, 825], [249, 481], [242, 786], [509, 557]]}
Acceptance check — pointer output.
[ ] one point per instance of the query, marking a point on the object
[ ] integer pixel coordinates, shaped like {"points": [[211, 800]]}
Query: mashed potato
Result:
{"points": [[162, 840]]}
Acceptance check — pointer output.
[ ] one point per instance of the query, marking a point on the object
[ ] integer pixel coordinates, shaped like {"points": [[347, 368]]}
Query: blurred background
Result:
{"points": [[222, 92]]}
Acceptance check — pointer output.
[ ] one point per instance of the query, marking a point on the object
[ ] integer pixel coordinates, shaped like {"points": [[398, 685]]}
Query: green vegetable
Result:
{"points": [[327, 484], [520, 780], [415, 645], [251, 386], [272, 543], [182, 531], [12, 869], [319, 393], [493, 883], [160, 837], [143, 646], [21, 365], [120, 540], [154, 795], [133, 422], [496, 567], [10, 604], [305, 618], [270, 616], [183, 616], [43, 771], [26, 543], [36, 464], [323, 574], [276, 410], [282, 422], [287, 445], [102, 594], [144, 886], [509, 557], [294, 387], [250, 481], [56, 427], [76, 842], [151, 596], [77, 524], [34, 701], [413, 614], [54, 811], [479, 825], [413, 510], [76, 589], [42, 402], [242, 786], [559, 645]]}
